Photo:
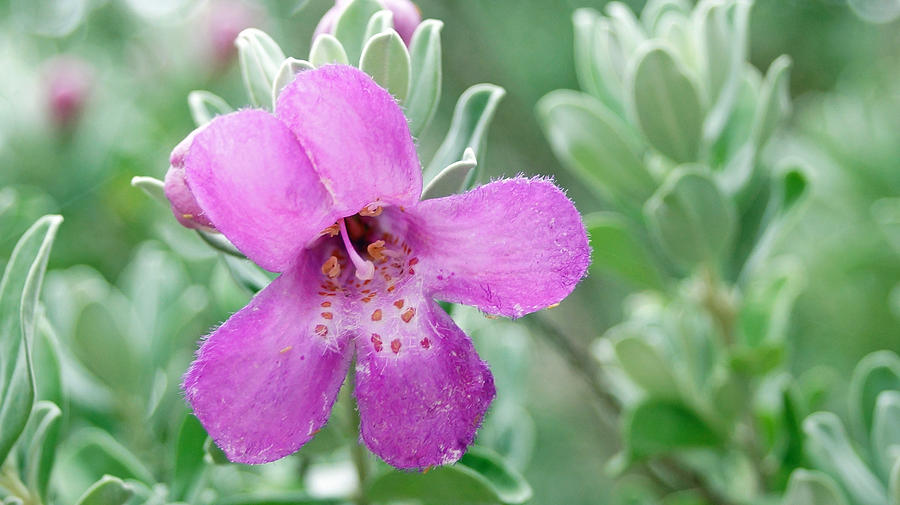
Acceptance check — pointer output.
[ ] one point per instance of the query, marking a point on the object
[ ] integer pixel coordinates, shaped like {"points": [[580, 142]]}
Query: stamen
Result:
{"points": [[376, 250], [332, 230], [365, 270], [331, 268], [369, 211]]}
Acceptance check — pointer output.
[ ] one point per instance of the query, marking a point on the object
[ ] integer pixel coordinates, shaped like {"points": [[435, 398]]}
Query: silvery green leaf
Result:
{"points": [[886, 431], [774, 100], [626, 26], [584, 21], [425, 86], [472, 118], [19, 291], [40, 450], [828, 447], [622, 254], [246, 274], [381, 21], [723, 27], [665, 103], [690, 217], [350, 28], [327, 50], [155, 188], [595, 143], [653, 12], [107, 491], [12, 500], [91, 454], [609, 60], [289, 69], [385, 59], [877, 372], [205, 106], [644, 364], [807, 487], [218, 242], [260, 59], [451, 179]]}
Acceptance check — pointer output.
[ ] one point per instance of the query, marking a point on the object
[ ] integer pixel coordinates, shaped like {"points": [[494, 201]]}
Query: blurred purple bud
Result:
{"points": [[407, 17], [226, 19], [68, 82], [185, 207]]}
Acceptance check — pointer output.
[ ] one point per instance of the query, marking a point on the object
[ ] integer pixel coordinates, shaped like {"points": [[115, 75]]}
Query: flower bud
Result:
{"points": [[406, 17], [68, 82], [185, 207], [225, 20]]}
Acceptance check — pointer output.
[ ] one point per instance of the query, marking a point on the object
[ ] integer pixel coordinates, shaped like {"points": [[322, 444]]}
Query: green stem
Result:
{"points": [[721, 307], [358, 452]]}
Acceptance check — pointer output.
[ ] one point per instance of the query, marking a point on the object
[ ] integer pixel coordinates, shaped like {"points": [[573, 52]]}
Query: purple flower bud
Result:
{"points": [[68, 82], [407, 17], [225, 20], [184, 205]]}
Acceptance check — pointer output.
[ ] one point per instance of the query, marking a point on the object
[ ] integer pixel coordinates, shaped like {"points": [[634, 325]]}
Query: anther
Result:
{"points": [[376, 250], [399, 303], [376, 342], [408, 315], [332, 231], [331, 267], [376, 316], [369, 211], [321, 330], [365, 270], [395, 345], [327, 315]]}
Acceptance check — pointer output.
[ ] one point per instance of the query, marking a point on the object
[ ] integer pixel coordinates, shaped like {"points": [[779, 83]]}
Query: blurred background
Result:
{"points": [[94, 92]]}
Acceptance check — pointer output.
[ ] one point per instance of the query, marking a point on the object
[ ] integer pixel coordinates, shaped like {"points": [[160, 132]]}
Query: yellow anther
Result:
{"points": [[331, 268], [332, 231], [376, 250], [369, 211]]}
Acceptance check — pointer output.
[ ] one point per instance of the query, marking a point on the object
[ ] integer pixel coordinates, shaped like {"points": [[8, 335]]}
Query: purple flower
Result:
{"points": [[406, 17], [326, 192], [68, 83]]}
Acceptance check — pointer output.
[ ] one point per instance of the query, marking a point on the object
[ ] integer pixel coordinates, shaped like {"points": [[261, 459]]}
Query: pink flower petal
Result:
{"points": [[355, 135], [264, 382], [421, 388], [510, 247], [255, 184]]}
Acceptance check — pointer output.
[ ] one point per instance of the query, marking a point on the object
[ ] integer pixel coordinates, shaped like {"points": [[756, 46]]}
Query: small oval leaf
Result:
{"points": [[386, 60], [327, 50], [425, 85]]}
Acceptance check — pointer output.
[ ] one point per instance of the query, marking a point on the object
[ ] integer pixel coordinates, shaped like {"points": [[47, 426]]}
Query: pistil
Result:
{"points": [[365, 270]]}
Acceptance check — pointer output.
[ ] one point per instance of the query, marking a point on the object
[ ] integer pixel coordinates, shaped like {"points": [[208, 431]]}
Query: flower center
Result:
{"points": [[363, 275]]}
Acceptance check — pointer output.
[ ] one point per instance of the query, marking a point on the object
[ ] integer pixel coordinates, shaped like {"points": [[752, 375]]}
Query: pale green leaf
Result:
{"points": [[812, 488], [260, 59], [690, 217], [19, 291], [350, 28], [468, 129], [107, 491], [425, 86], [877, 372], [381, 21], [385, 59], [665, 103], [452, 179], [204, 107], [774, 99], [327, 50], [655, 427], [154, 188], [286, 73], [886, 431], [596, 144], [828, 447]]}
